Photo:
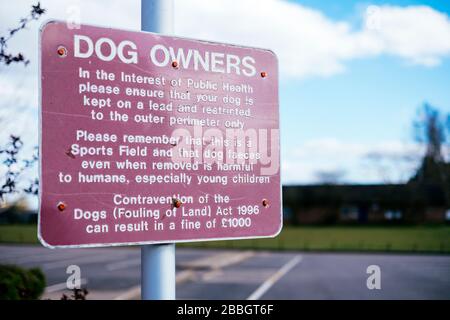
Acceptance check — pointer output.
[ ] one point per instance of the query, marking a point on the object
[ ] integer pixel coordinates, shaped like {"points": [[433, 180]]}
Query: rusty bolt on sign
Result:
{"points": [[177, 203], [265, 203], [263, 74], [175, 64], [61, 206], [62, 51], [69, 153]]}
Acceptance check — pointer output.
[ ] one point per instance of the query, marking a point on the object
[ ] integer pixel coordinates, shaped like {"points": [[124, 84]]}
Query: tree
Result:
{"points": [[10, 152], [14, 168], [8, 58], [330, 176], [432, 128]]}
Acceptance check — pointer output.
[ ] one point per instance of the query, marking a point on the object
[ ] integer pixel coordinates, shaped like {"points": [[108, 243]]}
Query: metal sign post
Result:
{"points": [[158, 260], [158, 272]]}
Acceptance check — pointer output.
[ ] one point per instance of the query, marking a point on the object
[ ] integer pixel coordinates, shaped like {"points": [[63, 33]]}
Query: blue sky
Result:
{"points": [[352, 73], [374, 100], [348, 9]]}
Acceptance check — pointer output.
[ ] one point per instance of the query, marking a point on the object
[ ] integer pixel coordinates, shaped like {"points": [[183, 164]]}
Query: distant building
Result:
{"points": [[11, 215], [329, 204]]}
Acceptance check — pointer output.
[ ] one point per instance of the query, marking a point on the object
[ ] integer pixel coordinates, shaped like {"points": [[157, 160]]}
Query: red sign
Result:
{"points": [[150, 139]]}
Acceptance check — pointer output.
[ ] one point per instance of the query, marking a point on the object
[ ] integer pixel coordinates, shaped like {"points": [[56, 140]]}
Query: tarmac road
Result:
{"points": [[114, 273]]}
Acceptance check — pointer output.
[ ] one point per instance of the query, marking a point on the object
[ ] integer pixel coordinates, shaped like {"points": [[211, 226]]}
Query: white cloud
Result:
{"points": [[310, 44], [307, 42], [385, 161], [417, 33]]}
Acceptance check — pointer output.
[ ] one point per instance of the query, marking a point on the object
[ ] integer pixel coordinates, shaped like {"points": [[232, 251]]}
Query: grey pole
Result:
{"points": [[158, 272], [157, 261]]}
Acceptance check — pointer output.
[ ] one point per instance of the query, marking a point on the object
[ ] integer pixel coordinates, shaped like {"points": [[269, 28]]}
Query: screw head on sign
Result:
{"points": [[175, 64], [177, 203], [263, 74], [265, 203], [62, 51], [61, 206], [69, 153]]}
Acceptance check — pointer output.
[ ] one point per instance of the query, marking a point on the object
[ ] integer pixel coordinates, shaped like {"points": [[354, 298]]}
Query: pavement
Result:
{"points": [[114, 273]]}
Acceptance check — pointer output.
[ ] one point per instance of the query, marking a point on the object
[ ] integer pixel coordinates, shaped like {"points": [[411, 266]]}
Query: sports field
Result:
{"points": [[328, 238]]}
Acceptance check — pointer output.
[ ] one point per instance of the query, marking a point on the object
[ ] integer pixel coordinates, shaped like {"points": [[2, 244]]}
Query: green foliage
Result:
{"points": [[20, 284]]}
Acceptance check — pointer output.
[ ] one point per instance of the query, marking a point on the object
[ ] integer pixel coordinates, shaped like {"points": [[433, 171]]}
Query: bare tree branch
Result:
{"points": [[8, 58]]}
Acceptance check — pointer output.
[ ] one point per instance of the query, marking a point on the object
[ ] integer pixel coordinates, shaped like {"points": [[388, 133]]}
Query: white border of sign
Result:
{"points": [[123, 244]]}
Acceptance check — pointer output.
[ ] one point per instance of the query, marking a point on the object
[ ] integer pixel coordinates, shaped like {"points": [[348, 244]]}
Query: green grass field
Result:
{"points": [[18, 234], [342, 238], [335, 238]]}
